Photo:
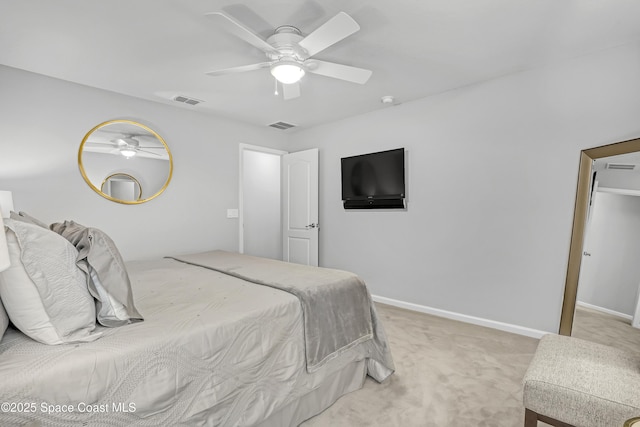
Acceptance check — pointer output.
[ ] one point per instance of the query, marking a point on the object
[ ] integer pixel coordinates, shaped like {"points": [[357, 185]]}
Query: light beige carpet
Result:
{"points": [[605, 329], [448, 373]]}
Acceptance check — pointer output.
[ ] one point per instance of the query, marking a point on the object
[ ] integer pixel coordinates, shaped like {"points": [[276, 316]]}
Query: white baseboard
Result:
{"points": [[520, 330], [604, 310]]}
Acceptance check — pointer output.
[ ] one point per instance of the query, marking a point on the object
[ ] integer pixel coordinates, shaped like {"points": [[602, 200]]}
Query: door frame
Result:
{"points": [[241, 148]]}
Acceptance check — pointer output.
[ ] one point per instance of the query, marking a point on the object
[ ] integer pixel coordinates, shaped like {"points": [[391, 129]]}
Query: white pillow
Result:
{"points": [[43, 291], [25, 217], [110, 311]]}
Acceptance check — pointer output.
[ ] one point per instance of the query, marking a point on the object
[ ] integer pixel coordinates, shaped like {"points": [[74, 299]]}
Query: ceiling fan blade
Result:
{"points": [[240, 69], [329, 33], [148, 152], [242, 32], [291, 91], [250, 18], [338, 71], [98, 144]]}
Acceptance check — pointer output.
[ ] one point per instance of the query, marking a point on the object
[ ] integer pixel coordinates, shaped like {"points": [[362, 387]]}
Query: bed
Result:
{"points": [[227, 340]]}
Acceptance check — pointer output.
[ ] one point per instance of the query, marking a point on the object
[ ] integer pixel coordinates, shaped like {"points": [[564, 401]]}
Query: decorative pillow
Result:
{"points": [[43, 291], [25, 217], [107, 276], [4, 320]]}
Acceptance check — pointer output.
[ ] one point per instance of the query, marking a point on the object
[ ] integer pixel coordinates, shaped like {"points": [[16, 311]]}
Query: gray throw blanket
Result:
{"points": [[336, 304]]}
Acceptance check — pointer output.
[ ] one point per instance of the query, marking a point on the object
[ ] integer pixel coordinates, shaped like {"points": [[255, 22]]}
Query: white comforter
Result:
{"points": [[213, 350]]}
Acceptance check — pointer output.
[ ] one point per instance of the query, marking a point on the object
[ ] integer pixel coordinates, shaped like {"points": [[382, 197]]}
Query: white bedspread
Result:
{"points": [[213, 350], [336, 305]]}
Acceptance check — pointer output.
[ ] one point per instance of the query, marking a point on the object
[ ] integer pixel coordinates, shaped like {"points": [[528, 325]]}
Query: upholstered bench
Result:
{"points": [[573, 382]]}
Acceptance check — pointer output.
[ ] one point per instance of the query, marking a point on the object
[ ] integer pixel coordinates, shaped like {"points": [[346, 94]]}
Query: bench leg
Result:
{"points": [[530, 418]]}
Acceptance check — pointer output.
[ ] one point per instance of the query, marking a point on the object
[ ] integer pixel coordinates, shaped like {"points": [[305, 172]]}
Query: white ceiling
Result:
{"points": [[157, 49]]}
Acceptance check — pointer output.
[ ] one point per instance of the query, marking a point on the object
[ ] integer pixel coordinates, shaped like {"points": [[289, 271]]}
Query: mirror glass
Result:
{"points": [[125, 161], [603, 278], [122, 186]]}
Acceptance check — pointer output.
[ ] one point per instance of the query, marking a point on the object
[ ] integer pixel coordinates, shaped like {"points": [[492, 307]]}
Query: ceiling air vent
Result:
{"points": [[187, 100], [282, 125], [621, 166]]}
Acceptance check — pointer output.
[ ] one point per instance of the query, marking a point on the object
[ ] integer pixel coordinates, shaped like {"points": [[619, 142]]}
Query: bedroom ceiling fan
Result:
{"points": [[127, 145], [290, 55]]}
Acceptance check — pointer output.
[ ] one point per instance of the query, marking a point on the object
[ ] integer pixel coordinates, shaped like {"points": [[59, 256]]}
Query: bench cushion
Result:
{"points": [[583, 383]]}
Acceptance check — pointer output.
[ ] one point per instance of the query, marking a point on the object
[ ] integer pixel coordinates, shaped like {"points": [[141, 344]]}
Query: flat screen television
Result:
{"points": [[374, 180]]}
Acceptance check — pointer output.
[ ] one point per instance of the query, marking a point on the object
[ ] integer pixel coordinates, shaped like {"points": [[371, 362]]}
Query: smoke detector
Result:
{"points": [[388, 99]]}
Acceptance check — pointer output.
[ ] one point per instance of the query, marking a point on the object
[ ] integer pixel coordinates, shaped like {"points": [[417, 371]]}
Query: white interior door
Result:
{"points": [[300, 207]]}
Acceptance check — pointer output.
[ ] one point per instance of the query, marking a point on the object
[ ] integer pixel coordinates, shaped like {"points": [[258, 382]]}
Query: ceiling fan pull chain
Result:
{"points": [[276, 91]]}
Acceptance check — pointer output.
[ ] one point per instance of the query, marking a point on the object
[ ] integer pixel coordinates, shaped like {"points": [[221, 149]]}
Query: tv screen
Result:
{"points": [[373, 176]]}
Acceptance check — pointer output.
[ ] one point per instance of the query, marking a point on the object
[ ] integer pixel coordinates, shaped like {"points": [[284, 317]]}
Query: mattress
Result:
{"points": [[213, 350]]}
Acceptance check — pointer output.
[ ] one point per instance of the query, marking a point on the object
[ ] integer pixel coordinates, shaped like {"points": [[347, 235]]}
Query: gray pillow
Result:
{"points": [[107, 277], [4, 320]]}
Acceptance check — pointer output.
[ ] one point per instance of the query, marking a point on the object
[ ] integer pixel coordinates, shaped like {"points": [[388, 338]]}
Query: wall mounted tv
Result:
{"points": [[374, 180]]}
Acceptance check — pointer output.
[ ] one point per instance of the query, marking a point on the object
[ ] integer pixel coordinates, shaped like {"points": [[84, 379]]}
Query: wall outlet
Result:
{"points": [[232, 213]]}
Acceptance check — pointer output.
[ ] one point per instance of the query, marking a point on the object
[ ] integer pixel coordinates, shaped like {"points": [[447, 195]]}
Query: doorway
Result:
{"points": [[278, 204], [259, 213]]}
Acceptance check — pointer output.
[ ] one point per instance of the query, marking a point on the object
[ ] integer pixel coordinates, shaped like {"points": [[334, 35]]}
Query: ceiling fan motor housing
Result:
{"points": [[285, 41]]}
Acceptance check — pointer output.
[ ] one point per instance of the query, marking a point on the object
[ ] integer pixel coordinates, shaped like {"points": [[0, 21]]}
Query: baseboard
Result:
{"points": [[604, 310], [515, 329]]}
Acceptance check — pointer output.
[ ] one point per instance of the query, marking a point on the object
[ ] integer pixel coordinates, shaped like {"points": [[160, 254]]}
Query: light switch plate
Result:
{"points": [[232, 213]]}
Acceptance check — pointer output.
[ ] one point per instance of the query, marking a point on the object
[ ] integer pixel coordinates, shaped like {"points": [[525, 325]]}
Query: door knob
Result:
{"points": [[585, 253], [312, 225]]}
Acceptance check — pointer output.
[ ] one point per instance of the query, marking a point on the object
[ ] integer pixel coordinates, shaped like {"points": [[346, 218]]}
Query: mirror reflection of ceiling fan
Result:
{"points": [[127, 145], [290, 54]]}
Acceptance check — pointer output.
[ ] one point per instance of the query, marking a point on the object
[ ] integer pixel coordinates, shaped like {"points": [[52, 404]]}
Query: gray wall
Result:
{"points": [[261, 204], [42, 124], [492, 172]]}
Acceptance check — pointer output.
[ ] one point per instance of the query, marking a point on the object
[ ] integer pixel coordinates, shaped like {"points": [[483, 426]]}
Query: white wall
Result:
{"points": [[261, 203], [492, 172], [42, 124], [611, 178]]}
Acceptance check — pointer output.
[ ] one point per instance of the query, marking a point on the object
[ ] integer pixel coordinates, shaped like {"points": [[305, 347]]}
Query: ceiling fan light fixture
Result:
{"points": [[128, 152], [287, 71]]}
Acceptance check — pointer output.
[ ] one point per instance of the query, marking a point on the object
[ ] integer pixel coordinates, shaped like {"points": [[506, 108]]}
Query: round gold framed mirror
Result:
{"points": [[125, 161]]}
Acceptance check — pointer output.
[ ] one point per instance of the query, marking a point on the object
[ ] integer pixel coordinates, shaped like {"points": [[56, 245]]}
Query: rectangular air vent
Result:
{"points": [[187, 100], [621, 166], [282, 125]]}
